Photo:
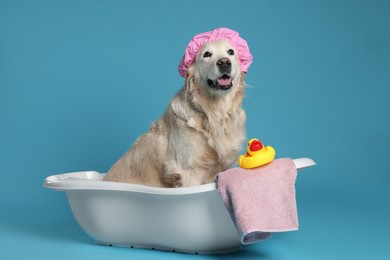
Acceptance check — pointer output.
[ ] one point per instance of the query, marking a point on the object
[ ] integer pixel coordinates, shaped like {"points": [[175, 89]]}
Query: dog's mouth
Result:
{"points": [[223, 83]]}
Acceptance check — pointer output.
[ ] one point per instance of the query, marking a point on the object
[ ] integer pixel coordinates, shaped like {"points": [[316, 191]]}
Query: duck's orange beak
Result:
{"points": [[256, 145]]}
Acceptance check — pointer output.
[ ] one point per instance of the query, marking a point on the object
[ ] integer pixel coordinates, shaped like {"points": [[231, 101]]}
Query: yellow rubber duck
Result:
{"points": [[256, 155]]}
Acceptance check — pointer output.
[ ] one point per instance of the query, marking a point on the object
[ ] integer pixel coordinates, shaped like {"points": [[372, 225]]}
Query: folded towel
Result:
{"points": [[260, 200]]}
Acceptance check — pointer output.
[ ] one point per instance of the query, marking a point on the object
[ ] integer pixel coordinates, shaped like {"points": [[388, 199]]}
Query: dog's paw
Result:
{"points": [[173, 180]]}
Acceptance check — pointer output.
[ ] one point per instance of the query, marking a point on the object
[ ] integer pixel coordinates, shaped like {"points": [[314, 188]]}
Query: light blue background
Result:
{"points": [[81, 80]]}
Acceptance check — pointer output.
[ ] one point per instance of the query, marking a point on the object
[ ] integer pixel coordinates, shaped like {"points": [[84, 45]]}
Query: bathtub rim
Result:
{"points": [[92, 180]]}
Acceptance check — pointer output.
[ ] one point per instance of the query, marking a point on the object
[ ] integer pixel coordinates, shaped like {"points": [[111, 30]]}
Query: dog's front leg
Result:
{"points": [[172, 180], [172, 176]]}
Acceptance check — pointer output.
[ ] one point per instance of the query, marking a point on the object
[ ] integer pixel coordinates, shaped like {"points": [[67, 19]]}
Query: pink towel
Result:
{"points": [[261, 200]]}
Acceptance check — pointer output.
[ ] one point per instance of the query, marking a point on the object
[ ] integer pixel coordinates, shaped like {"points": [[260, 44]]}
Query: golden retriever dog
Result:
{"points": [[201, 132]]}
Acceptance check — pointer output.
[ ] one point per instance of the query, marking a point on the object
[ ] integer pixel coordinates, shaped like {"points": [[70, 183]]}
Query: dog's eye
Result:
{"points": [[206, 54], [230, 52]]}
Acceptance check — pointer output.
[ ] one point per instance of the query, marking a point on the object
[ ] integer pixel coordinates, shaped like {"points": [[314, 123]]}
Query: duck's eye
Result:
{"points": [[249, 144], [230, 52], [206, 54]]}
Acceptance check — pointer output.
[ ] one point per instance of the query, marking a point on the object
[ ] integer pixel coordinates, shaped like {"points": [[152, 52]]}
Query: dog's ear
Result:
{"points": [[192, 89], [190, 80], [191, 70], [242, 79]]}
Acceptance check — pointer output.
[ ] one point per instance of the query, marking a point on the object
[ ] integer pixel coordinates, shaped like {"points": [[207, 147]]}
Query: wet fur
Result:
{"points": [[199, 135]]}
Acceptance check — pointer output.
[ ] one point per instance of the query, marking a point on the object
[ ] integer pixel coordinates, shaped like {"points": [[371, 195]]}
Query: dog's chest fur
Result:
{"points": [[218, 130]]}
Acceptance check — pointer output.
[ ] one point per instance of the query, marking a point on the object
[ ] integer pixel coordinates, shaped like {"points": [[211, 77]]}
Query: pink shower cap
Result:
{"points": [[239, 44]]}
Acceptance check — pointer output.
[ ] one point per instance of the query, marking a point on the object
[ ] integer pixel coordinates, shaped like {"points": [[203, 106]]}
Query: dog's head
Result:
{"points": [[216, 67]]}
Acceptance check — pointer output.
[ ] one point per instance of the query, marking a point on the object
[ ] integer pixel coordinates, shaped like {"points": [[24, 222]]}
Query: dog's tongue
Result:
{"points": [[224, 82]]}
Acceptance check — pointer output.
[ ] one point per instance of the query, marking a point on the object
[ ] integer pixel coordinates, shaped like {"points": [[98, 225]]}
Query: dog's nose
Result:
{"points": [[224, 64]]}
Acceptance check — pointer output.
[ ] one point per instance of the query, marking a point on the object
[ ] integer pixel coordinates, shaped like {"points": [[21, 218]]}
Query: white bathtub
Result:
{"points": [[190, 219]]}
